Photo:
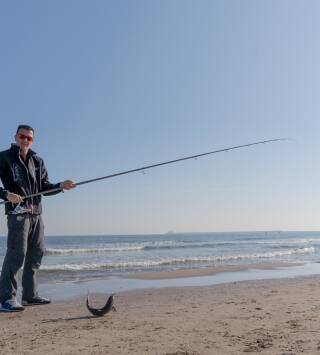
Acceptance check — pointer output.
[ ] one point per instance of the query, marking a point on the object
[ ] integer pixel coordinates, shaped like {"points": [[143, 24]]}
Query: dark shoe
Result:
{"points": [[11, 305], [36, 300]]}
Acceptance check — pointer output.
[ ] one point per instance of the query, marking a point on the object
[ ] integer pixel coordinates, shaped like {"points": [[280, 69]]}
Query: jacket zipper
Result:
{"points": [[28, 182]]}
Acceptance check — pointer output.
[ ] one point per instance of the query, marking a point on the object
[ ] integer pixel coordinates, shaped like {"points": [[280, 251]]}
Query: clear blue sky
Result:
{"points": [[113, 85]]}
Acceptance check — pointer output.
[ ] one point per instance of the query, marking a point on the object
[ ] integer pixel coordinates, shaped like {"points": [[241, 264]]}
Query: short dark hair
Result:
{"points": [[26, 127]]}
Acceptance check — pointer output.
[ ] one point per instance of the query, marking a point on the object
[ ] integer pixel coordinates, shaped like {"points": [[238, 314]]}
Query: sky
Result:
{"points": [[114, 85]]}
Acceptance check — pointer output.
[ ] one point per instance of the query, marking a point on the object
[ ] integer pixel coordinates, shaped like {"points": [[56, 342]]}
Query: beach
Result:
{"points": [[212, 293], [280, 316]]}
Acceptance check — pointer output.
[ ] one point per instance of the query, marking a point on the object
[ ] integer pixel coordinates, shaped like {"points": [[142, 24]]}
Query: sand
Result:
{"points": [[195, 272], [258, 317]]}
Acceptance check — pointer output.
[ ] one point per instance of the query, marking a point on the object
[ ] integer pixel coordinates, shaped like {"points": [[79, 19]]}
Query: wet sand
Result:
{"points": [[174, 274], [259, 317]]}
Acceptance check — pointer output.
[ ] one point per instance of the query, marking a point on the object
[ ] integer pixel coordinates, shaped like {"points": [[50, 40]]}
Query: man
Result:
{"points": [[23, 173]]}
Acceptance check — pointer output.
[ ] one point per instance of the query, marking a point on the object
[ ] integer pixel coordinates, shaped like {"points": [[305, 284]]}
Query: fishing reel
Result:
{"points": [[22, 209]]}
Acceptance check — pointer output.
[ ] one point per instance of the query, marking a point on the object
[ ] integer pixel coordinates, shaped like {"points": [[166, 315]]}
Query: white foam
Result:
{"points": [[174, 261], [55, 251]]}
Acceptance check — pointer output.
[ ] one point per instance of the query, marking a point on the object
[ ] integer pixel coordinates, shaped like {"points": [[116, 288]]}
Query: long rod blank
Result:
{"points": [[153, 166]]}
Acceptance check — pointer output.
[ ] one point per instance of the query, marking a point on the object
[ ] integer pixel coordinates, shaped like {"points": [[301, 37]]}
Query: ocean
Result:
{"points": [[89, 257]]}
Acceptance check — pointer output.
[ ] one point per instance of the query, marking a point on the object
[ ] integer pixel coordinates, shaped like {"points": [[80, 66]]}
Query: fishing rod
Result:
{"points": [[152, 166]]}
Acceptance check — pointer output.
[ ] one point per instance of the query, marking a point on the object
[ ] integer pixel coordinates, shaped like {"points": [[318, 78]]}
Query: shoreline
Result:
{"points": [[269, 316], [116, 284]]}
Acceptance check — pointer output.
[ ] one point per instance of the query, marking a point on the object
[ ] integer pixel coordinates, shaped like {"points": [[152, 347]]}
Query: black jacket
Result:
{"points": [[23, 178]]}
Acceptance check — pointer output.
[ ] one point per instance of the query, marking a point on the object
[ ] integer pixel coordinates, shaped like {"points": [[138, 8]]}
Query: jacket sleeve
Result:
{"points": [[46, 184], [3, 192]]}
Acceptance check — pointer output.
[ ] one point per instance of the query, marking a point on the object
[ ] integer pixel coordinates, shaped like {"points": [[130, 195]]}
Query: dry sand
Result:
{"points": [[265, 317]]}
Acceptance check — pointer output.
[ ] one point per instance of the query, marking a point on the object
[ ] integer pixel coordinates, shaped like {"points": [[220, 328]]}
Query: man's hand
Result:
{"points": [[67, 185], [13, 198]]}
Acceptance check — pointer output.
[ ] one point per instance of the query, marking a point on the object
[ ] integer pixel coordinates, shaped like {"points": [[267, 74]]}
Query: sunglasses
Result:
{"points": [[23, 136]]}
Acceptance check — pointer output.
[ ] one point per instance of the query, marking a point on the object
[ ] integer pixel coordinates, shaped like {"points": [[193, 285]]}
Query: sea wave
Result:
{"points": [[63, 251], [162, 245], [132, 247], [174, 261]]}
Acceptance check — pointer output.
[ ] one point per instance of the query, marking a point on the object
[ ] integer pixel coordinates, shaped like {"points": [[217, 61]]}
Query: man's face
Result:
{"points": [[24, 138]]}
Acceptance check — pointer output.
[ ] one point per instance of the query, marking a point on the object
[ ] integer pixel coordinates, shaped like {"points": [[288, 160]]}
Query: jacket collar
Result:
{"points": [[16, 149]]}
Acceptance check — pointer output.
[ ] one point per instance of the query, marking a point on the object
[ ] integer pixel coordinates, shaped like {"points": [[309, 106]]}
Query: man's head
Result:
{"points": [[24, 137]]}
